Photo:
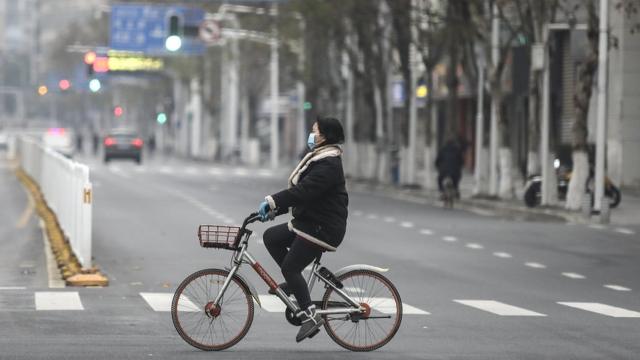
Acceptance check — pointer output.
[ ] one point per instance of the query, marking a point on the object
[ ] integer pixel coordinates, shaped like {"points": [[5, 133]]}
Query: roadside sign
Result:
{"points": [[144, 28], [209, 31]]}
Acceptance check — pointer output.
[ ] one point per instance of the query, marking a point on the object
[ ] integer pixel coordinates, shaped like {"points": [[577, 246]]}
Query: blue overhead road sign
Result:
{"points": [[144, 28]]}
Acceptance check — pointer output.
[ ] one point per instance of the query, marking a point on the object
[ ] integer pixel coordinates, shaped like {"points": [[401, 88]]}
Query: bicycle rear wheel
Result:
{"points": [[204, 325], [377, 325]]}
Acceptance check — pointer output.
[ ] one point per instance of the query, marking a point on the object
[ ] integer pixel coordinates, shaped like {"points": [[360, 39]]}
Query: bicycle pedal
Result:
{"points": [[314, 333]]}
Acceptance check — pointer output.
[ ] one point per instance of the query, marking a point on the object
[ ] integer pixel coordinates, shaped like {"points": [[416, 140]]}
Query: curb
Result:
{"points": [[68, 265], [470, 204]]}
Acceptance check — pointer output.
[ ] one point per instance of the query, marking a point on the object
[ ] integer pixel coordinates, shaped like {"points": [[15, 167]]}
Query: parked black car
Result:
{"points": [[123, 144]]}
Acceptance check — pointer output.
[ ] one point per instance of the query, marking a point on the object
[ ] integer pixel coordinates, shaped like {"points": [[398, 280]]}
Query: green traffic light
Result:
{"points": [[161, 118], [95, 85]]}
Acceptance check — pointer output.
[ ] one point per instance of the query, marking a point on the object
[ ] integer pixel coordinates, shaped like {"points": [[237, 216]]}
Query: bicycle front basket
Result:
{"points": [[218, 236]]}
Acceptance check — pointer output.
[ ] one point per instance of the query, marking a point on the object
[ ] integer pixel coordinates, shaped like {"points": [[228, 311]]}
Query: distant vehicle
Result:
{"points": [[123, 144], [60, 140]]}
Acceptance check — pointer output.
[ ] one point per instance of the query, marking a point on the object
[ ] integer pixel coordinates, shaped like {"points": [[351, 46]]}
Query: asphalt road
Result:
{"points": [[475, 286]]}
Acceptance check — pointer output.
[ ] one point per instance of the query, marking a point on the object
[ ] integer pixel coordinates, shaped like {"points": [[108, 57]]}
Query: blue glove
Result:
{"points": [[263, 211]]}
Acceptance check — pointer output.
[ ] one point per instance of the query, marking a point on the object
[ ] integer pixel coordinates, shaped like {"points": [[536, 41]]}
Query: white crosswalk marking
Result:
{"points": [[475, 246], [12, 287], [503, 255], [625, 231], [388, 306], [272, 303], [389, 219], [450, 238], [617, 287], [58, 301], [535, 265], [498, 308], [571, 275], [426, 232], [162, 302], [407, 224], [603, 309]]}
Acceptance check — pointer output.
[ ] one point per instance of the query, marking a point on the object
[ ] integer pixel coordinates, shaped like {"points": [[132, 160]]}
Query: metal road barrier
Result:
{"points": [[66, 188]]}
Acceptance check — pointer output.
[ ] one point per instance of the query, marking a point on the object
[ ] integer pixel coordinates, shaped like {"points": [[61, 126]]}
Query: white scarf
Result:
{"points": [[315, 155]]}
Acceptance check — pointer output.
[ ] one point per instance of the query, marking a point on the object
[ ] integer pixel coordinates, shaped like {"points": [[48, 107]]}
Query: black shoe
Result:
{"points": [[284, 287], [311, 323]]}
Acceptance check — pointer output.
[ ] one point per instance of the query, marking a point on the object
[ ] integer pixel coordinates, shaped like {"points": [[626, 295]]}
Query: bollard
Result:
{"points": [[605, 211]]}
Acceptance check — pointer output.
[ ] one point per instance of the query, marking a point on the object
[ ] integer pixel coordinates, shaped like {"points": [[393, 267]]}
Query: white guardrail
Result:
{"points": [[66, 187]]}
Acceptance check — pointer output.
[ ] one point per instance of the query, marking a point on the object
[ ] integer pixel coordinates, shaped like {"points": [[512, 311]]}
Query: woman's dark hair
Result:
{"points": [[331, 129]]}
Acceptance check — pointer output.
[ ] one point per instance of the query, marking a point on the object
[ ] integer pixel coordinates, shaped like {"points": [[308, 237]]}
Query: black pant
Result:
{"points": [[299, 255]]}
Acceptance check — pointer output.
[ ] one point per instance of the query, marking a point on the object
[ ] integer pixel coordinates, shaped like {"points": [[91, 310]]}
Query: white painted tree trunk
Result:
{"points": [[533, 163], [429, 181], [579, 177], [506, 174]]}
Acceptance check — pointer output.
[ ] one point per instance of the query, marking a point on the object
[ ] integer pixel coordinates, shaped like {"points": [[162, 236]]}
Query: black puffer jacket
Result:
{"points": [[318, 197]]}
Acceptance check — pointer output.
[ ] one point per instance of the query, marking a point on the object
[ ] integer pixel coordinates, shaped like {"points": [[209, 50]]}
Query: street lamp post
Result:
{"points": [[602, 105]]}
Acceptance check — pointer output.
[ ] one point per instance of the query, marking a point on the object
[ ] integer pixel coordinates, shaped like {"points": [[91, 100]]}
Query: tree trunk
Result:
{"points": [[586, 72]]}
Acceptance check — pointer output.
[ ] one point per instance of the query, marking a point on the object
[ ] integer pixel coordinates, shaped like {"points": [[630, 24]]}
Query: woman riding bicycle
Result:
{"points": [[318, 197]]}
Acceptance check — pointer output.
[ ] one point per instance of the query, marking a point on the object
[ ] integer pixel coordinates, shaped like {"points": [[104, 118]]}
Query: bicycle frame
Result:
{"points": [[242, 256]]}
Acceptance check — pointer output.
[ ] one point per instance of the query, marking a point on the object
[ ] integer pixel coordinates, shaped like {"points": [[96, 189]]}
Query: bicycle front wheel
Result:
{"points": [[205, 325], [374, 327]]}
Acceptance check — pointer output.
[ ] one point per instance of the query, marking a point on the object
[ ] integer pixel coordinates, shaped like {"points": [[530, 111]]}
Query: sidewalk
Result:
{"points": [[627, 213], [22, 255]]}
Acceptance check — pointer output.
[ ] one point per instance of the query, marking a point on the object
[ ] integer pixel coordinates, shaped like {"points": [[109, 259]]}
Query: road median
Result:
{"points": [[68, 264]]}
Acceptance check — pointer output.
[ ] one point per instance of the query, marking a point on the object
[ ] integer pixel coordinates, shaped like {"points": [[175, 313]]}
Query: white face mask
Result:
{"points": [[311, 141]]}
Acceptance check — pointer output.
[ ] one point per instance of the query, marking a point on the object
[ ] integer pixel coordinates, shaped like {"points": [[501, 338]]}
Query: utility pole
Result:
{"points": [[601, 129], [479, 127], [274, 100], [544, 129], [301, 143], [493, 151], [411, 156]]}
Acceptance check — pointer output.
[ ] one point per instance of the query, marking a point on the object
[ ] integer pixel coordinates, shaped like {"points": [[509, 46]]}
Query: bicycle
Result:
{"points": [[449, 192], [212, 309]]}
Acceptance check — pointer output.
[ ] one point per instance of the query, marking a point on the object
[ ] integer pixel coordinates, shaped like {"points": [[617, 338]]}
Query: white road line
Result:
{"points": [[597, 226], [58, 301], [503, 255], [407, 224], [388, 306], [450, 238], [265, 173], [357, 213], [162, 302], [625, 231], [166, 170], [140, 169], [354, 289], [241, 172], [216, 171], [571, 275], [389, 219], [272, 303], [603, 309], [12, 287], [498, 308], [474, 246], [191, 171], [372, 216], [426, 232], [617, 287], [535, 265]]}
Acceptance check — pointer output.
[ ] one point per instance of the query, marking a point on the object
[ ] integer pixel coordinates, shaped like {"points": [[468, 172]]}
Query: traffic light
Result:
{"points": [[174, 37], [161, 118], [89, 59], [95, 85], [42, 90], [118, 111], [64, 84]]}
